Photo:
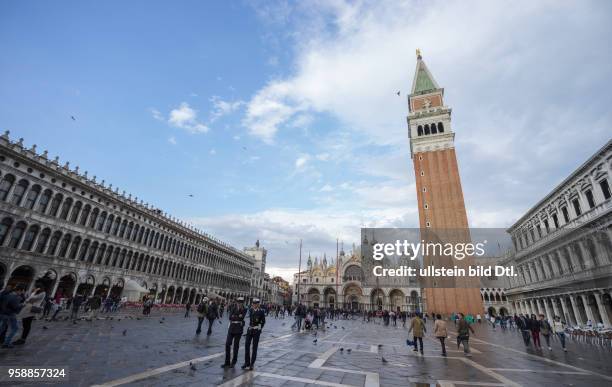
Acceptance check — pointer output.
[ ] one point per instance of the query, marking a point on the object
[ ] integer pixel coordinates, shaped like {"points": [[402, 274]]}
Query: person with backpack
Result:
{"points": [[201, 309], [559, 329], [463, 334]]}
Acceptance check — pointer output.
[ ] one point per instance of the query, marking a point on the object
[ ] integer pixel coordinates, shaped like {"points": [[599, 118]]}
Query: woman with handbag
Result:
{"points": [[32, 307], [440, 332]]}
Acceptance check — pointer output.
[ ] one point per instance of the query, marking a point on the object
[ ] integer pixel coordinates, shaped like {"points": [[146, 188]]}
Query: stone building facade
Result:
{"points": [[75, 234], [321, 286], [563, 248]]}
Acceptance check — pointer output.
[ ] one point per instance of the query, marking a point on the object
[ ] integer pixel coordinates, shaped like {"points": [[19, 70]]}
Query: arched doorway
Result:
{"points": [[85, 288], [192, 296], [21, 275], [414, 302], [377, 299], [117, 289], [314, 297], [102, 289], [169, 295], [66, 285], [329, 296], [47, 280], [503, 311], [492, 311], [352, 297], [396, 299]]}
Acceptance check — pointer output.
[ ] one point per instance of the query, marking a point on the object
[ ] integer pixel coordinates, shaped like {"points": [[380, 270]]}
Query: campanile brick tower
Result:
{"points": [[442, 214]]}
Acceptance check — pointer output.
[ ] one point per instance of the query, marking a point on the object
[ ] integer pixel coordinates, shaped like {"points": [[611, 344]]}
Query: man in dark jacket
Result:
{"points": [[257, 320], [211, 314], [11, 303], [234, 333]]}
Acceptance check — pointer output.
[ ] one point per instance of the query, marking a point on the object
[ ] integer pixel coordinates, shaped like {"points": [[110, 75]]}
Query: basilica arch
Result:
{"points": [[353, 297]]}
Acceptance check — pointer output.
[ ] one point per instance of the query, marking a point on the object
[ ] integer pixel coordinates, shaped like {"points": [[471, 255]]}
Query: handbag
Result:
{"points": [[35, 309]]}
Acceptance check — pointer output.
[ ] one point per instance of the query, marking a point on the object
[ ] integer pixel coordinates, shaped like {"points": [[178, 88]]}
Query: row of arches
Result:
{"points": [[33, 238], [433, 128], [354, 299], [43, 200]]}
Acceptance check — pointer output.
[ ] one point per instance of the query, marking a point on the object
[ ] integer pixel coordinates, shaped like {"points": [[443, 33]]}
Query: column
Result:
{"points": [[555, 307], [549, 316], [588, 310], [603, 312], [577, 314], [55, 286], [566, 315], [588, 260]]}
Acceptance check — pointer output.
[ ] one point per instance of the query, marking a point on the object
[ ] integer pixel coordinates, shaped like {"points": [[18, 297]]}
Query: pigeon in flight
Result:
{"points": [[190, 195], [73, 119], [398, 93], [384, 360]]}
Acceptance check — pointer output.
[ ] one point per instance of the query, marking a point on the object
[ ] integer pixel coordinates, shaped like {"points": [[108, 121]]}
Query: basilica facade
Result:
{"points": [[346, 283], [75, 234]]}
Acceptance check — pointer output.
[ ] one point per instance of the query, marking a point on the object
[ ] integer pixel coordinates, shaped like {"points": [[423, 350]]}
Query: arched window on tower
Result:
{"points": [[427, 129], [433, 128], [6, 185], [420, 130], [440, 127]]}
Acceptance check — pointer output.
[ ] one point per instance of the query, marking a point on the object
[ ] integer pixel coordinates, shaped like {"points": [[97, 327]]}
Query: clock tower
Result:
{"points": [[442, 214]]}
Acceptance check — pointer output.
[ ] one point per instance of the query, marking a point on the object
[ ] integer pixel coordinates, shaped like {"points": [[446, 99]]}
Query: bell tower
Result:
{"points": [[442, 213]]}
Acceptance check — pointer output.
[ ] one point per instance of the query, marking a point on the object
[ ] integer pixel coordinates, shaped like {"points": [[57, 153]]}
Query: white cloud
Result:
{"points": [[212, 152], [300, 162], [185, 117], [157, 114], [172, 140], [326, 188], [222, 108], [236, 137]]}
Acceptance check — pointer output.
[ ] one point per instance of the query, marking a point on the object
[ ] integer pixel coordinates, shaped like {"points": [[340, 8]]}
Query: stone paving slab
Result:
{"points": [[99, 352]]}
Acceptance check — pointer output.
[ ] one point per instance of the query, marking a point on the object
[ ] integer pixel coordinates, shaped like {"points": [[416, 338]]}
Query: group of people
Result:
{"points": [[16, 307], [418, 328], [533, 326]]}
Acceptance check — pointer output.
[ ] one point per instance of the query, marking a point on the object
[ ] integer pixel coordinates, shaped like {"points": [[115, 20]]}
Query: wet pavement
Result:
{"points": [[156, 352]]}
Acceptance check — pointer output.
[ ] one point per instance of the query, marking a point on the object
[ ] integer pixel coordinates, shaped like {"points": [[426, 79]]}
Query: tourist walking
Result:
{"points": [[463, 334], [523, 323], [559, 329], [417, 327], [535, 331], [201, 309], [11, 303], [187, 309], [31, 308], [94, 303], [440, 332], [257, 320], [212, 313], [74, 307], [545, 330]]}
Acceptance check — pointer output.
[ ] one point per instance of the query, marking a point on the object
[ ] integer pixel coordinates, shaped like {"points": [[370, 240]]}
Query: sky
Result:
{"points": [[282, 119]]}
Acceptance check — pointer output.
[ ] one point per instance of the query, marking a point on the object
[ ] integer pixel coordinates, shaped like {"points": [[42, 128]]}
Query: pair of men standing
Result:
{"points": [[209, 311], [257, 320]]}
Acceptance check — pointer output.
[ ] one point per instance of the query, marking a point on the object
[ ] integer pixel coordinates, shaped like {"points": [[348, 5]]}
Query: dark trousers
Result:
{"points": [[210, 324], [418, 340], [199, 330], [442, 344], [235, 338], [251, 337], [526, 337], [27, 325], [536, 338]]}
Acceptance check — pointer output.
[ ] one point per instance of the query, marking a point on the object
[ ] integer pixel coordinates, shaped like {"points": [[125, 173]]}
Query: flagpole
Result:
{"points": [[337, 268], [299, 274]]}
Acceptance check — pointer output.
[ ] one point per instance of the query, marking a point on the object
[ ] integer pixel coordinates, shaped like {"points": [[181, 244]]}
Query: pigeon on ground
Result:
{"points": [[380, 345], [163, 318], [44, 327], [342, 327], [124, 332], [341, 349], [161, 322], [314, 341], [192, 366], [384, 360], [348, 350]]}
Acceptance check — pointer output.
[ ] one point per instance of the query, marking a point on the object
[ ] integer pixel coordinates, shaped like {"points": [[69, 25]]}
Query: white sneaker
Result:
{"points": [[549, 348]]}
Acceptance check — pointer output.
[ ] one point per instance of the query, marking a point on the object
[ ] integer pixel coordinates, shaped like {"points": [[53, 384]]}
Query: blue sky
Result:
{"points": [[281, 117]]}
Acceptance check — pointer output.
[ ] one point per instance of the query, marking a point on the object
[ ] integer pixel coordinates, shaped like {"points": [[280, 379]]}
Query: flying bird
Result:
{"points": [[398, 93], [73, 119], [384, 360], [244, 148], [190, 195]]}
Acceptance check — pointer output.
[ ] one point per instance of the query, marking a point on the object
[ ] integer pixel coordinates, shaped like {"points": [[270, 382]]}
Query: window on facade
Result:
{"points": [[44, 200], [54, 242], [427, 130], [5, 186], [75, 212], [434, 130], [31, 197], [576, 204], [420, 130], [64, 246], [565, 214], [85, 215], [605, 189], [440, 127], [74, 248], [4, 227], [28, 239], [93, 218], [65, 207], [42, 240], [555, 219], [19, 191], [589, 197], [546, 225], [16, 235]]}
